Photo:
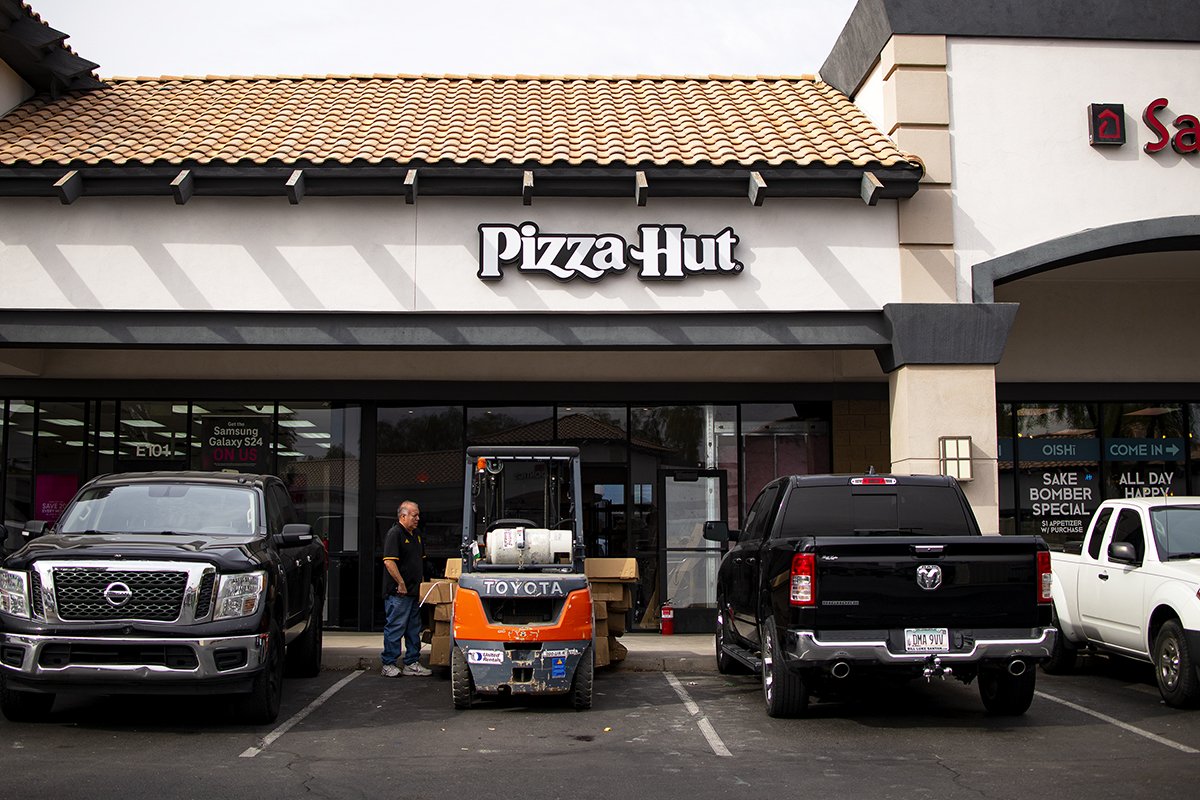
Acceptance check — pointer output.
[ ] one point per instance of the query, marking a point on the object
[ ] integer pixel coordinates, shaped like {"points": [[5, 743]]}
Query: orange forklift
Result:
{"points": [[522, 620]]}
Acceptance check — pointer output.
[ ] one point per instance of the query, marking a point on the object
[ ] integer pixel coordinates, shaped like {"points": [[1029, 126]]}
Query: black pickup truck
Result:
{"points": [[168, 582], [837, 578]]}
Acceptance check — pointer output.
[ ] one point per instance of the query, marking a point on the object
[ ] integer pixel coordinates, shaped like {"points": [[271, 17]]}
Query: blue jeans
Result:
{"points": [[403, 625]]}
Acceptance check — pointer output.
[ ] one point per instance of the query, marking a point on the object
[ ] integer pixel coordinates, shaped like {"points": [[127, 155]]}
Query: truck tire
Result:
{"points": [[20, 706], [581, 685], [261, 706], [1062, 656], [1005, 694], [1174, 669], [783, 690], [462, 688], [304, 654]]}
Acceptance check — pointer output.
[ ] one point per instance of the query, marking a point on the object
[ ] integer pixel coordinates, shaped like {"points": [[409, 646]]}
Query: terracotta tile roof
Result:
{"points": [[328, 120]]}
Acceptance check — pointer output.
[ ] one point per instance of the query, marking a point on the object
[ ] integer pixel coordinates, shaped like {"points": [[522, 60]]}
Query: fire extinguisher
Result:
{"points": [[668, 619]]}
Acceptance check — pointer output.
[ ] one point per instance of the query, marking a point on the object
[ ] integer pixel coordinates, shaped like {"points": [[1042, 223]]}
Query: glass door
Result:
{"points": [[687, 562]]}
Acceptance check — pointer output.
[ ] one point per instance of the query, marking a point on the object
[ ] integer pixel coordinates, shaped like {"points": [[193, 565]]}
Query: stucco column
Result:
{"points": [[930, 401]]}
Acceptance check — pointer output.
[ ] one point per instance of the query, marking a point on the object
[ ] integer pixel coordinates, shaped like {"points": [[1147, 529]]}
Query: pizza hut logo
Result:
{"points": [[1106, 124]]}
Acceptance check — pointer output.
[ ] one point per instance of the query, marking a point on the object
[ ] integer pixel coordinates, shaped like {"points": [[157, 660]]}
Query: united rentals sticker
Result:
{"points": [[662, 253]]}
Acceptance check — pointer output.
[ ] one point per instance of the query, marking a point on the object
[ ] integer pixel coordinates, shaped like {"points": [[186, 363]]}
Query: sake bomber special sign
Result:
{"points": [[661, 253]]}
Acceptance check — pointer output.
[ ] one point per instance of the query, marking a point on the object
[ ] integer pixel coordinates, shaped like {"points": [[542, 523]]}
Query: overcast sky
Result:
{"points": [[506, 37]]}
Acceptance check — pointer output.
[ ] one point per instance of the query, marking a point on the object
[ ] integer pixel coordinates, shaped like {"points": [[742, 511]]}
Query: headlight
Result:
{"points": [[239, 595], [14, 593]]}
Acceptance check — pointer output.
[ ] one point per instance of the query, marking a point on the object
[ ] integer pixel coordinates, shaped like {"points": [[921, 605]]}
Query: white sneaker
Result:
{"points": [[389, 671], [416, 670]]}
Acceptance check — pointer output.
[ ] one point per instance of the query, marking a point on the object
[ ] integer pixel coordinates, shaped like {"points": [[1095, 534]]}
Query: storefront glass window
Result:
{"points": [[783, 439], [510, 425], [150, 435], [18, 464], [600, 433], [1058, 458], [59, 461], [104, 437], [1145, 447], [1193, 435], [229, 435]]}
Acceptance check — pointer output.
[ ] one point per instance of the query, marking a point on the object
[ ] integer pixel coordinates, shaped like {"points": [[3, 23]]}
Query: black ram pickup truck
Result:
{"points": [[838, 578], [167, 582]]}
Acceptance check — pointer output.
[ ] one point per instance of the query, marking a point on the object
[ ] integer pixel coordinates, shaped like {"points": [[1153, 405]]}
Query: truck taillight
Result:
{"points": [[804, 580], [1045, 577]]}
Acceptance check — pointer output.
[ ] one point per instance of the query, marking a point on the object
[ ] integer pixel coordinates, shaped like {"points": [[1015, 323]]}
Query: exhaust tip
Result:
{"points": [[1016, 667], [840, 670]]}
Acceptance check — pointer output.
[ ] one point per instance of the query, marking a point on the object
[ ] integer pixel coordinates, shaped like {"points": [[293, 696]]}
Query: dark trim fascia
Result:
{"points": [[36, 52], [443, 392], [874, 22], [1161, 235], [900, 334], [1097, 392], [498, 180]]}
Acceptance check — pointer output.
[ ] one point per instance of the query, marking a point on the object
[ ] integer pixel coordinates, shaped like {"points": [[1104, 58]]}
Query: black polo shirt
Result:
{"points": [[408, 550]]}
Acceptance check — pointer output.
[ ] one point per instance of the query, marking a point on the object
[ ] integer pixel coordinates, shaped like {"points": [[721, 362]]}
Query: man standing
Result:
{"points": [[403, 571]]}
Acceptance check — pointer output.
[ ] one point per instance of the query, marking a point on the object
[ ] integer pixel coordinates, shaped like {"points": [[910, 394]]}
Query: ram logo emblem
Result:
{"points": [[929, 576]]}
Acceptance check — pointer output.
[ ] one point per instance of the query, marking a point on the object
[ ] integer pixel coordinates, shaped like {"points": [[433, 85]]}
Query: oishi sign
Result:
{"points": [[662, 253]]}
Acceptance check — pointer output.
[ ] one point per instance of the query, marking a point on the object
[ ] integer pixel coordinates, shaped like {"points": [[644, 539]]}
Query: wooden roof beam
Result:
{"points": [[641, 187], [183, 186], [870, 188], [527, 188], [758, 189], [410, 187], [295, 187], [69, 187]]}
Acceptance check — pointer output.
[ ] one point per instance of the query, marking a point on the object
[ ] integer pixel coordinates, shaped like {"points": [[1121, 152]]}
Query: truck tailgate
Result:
{"points": [[865, 582]]}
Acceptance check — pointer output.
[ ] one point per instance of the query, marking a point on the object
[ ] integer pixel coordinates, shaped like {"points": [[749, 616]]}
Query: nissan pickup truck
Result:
{"points": [[1132, 588], [167, 582], [838, 579]]}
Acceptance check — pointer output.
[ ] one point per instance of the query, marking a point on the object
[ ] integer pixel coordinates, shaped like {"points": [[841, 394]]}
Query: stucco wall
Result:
{"points": [[1024, 172], [12, 89], [381, 255]]}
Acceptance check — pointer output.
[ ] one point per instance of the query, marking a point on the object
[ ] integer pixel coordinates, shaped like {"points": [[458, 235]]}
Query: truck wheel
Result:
{"points": [[24, 706], [1174, 669], [1005, 694], [304, 654], [581, 685], [783, 690], [1063, 655], [462, 689], [261, 706]]}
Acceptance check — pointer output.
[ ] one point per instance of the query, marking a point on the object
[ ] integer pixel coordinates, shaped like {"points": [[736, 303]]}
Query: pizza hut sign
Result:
{"points": [[662, 253]]}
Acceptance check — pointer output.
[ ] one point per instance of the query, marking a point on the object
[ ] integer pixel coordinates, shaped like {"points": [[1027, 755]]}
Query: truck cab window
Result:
{"points": [[1129, 529], [758, 520], [1098, 529]]}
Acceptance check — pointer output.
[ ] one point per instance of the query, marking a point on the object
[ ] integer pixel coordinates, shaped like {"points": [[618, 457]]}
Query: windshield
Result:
{"points": [[536, 492], [162, 508], [1176, 531]]}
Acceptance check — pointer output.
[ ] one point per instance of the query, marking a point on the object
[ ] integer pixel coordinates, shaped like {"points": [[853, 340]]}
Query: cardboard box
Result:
{"points": [[601, 629], [453, 568], [437, 591], [611, 569], [441, 628], [622, 604], [602, 657], [442, 612], [616, 650], [607, 591], [616, 624], [599, 609], [439, 653]]}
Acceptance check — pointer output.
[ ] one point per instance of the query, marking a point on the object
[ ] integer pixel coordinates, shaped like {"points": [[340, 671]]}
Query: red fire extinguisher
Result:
{"points": [[668, 619]]}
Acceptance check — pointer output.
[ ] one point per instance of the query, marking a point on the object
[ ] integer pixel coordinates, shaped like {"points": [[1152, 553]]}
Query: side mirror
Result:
{"points": [[33, 528], [294, 534], [717, 531], [1123, 552]]}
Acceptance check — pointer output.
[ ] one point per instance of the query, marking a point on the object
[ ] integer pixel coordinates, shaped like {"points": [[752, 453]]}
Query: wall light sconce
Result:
{"points": [[955, 457]]}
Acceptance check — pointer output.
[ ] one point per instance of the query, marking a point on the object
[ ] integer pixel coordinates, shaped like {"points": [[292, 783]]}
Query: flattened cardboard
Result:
{"points": [[439, 653], [606, 592], [436, 592], [599, 609], [611, 569], [602, 656]]}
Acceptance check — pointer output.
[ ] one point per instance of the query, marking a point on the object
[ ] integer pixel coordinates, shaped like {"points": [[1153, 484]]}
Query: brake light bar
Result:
{"points": [[872, 481], [804, 580], [1045, 577]]}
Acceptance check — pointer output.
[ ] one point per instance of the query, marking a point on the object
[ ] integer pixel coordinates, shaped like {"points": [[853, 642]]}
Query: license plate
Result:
{"points": [[926, 640]]}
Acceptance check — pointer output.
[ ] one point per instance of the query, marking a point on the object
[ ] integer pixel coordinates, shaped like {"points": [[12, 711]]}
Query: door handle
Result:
{"points": [[1103, 576]]}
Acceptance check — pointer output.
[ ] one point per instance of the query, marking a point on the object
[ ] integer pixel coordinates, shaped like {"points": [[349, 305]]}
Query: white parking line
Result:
{"points": [[705, 726], [1154, 737], [251, 752]]}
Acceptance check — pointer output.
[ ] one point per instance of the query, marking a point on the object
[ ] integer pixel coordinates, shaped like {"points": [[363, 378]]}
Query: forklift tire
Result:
{"points": [[462, 688], [581, 686]]}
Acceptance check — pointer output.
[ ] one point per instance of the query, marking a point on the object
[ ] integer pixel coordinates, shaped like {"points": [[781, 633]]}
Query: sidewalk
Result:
{"points": [[648, 652]]}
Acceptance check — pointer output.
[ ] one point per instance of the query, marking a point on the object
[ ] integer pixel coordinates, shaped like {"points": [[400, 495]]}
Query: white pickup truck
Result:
{"points": [[1132, 588]]}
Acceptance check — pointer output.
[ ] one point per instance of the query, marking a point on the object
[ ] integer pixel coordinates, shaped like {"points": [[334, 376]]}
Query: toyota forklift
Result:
{"points": [[522, 620]]}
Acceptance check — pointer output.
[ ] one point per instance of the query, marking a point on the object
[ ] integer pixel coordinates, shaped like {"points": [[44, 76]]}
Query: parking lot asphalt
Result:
{"points": [[648, 652], [658, 733]]}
